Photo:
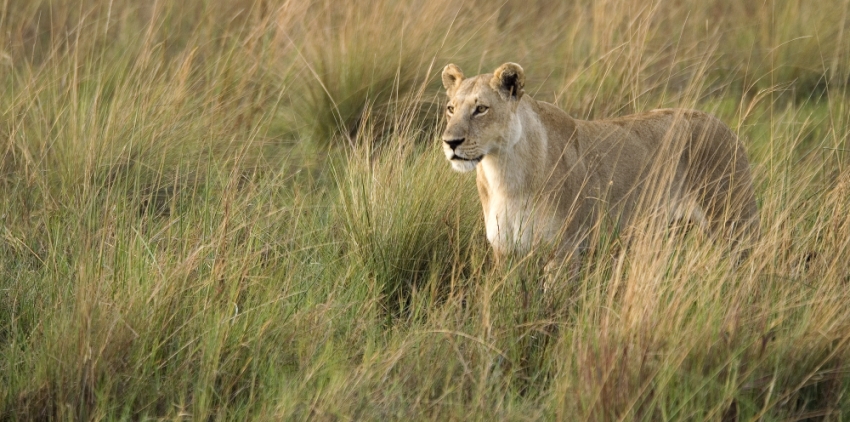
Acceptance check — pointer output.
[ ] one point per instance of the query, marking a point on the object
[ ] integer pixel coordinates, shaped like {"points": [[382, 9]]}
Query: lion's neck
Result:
{"points": [[514, 170], [509, 180]]}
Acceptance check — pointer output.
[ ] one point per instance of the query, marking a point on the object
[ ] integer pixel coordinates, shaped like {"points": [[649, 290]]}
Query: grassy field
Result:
{"points": [[239, 210]]}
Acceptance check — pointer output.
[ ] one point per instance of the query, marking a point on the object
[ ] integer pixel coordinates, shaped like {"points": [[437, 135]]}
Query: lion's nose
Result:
{"points": [[453, 143]]}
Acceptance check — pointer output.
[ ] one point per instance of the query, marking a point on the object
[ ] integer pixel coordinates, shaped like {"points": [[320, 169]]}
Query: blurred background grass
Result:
{"points": [[239, 209]]}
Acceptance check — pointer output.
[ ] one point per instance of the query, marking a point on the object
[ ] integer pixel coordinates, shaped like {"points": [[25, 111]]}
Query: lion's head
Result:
{"points": [[481, 113]]}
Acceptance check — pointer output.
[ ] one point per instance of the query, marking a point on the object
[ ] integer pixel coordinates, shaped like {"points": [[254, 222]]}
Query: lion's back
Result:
{"points": [[690, 152]]}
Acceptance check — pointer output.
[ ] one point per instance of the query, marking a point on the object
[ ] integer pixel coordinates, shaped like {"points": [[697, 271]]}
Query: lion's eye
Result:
{"points": [[481, 109], [450, 109]]}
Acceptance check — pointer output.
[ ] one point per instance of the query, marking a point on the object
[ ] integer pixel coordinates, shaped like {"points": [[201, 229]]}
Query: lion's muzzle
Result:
{"points": [[454, 143]]}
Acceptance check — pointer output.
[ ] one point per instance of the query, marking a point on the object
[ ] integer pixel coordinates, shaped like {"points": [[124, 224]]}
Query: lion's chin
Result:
{"points": [[464, 166]]}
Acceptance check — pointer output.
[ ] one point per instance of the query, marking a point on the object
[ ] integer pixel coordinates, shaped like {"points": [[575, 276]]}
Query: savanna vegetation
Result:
{"points": [[239, 210]]}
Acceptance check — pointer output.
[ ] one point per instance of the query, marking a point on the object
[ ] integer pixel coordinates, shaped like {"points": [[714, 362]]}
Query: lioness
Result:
{"points": [[545, 177]]}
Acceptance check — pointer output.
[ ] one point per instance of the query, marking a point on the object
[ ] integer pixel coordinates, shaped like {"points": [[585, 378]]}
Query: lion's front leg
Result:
{"points": [[563, 266]]}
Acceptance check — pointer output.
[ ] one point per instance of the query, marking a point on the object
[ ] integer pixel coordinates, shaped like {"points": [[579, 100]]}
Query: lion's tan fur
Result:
{"points": [[544, 176]]}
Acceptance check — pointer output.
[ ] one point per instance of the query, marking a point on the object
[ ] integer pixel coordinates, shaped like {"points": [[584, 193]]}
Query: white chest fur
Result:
{"points": [[510, 218], [510, 227]]}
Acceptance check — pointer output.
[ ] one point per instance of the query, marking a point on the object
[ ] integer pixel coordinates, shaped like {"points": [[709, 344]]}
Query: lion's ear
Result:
{"points": [[452, 77], [508, 80]]}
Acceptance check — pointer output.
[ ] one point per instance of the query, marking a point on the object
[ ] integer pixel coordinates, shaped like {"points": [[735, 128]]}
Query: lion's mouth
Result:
{"points": [[471, 160]]}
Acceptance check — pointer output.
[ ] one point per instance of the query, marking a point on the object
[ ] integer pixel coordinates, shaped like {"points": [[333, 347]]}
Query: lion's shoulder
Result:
{"points": [[555, 121]]}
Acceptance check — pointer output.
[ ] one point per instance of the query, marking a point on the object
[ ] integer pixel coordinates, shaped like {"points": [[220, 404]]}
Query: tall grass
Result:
{"points": [[239, 210]]}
